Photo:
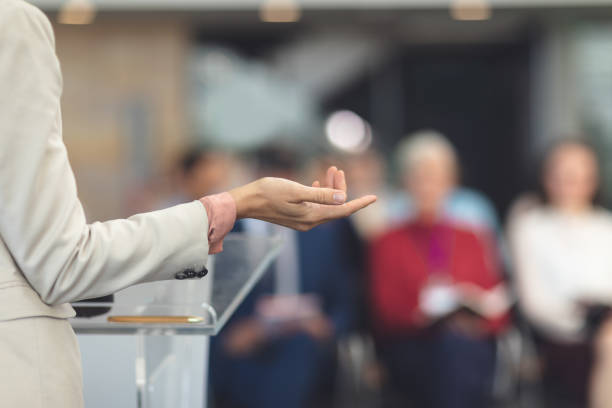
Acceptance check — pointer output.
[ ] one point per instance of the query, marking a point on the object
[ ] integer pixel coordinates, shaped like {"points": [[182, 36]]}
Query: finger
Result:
{"points": [[318, 195], [326, 213], [329, 181], [323, 213], [358, 204], [340, 181], [316, 184]]}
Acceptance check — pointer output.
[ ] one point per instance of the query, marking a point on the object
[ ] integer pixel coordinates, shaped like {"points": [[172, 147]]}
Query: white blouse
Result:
{"points": [[562, 261]]}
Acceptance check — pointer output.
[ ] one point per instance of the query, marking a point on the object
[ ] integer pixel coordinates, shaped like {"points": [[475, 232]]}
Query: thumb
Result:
{"points": [[328, 196]]}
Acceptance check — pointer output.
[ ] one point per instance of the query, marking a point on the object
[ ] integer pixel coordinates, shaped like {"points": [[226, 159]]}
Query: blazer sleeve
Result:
{"points": [[42, 221]]}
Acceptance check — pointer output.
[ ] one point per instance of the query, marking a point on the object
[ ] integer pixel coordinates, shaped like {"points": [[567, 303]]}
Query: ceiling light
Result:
{"points": [[280, 11], [471, 10], [348, 132], [77, 12]]}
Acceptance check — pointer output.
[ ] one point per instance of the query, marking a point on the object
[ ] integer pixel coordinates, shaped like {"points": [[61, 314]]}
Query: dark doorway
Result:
{"points": [[477, 95]]}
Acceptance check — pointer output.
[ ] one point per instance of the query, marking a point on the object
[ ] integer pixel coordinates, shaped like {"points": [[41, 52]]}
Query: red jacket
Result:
{"points": [[402, 261]]}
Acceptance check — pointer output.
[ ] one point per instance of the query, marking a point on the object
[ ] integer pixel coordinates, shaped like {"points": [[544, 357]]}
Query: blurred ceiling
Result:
{"points": [[315, 4]]}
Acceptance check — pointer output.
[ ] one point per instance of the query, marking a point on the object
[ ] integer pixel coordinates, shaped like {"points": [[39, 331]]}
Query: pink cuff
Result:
{"points": [[221, 210]]}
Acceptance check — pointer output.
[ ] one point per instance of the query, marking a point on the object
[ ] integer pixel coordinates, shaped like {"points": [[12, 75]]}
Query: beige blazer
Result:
{"points": [[49, 255]]}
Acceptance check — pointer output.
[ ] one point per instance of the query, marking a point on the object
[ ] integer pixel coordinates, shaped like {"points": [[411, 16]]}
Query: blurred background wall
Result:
{"points": [[146, 78], [124, 106]]}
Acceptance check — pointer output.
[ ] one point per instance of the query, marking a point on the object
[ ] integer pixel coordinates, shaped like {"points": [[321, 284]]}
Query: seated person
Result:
{"points": [[279, 349], [564, 273], [462, 204], [200, 171], [438, 299]]}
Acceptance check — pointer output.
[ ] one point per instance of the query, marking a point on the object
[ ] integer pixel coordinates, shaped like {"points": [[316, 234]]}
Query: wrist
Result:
{"points": [[244, 198]]}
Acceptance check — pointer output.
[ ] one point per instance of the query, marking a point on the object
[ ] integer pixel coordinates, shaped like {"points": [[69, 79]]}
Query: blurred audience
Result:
{"points": [[437, 301], [437, 293], [279, 349], [564, 277]]}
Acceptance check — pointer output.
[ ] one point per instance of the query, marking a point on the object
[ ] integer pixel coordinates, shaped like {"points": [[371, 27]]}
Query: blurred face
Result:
{"points": [[571, 177], [429, 182], [208, 176]]}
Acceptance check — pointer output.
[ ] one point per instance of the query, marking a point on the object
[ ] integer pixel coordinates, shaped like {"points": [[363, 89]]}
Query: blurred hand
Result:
{"points": [[296, 206], [319, 328], [244, 337]]}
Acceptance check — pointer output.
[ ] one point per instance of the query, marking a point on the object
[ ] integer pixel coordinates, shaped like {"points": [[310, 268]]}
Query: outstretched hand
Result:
{"points": [[296, 206]]}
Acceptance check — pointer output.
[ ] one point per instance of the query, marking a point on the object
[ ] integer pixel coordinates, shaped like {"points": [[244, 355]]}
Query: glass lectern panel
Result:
{"points": [[199, 306]]}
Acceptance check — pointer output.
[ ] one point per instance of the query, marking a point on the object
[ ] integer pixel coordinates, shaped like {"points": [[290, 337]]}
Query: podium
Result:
{"points": [[149, 347]]}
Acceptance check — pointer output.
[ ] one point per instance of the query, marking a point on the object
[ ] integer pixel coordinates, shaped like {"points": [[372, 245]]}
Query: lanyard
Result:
{"points": [[436, 245]]}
